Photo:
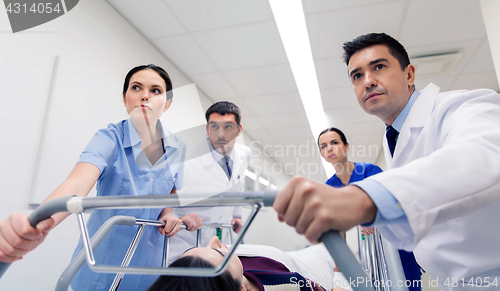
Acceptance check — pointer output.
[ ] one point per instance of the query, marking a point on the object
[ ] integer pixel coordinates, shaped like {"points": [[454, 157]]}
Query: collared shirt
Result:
{"points": [[221, 159], [388, 208], [125, 170]]}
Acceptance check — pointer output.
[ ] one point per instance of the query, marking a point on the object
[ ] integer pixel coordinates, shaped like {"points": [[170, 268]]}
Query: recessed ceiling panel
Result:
{"points": [[332, 73], [338, 98], [244, 46], [312, 6], [481, 60], [328, 31], [152, 17], [215, 85], [274, 121], [476, 81], [186, 54], [431, 22], [275, 104], [202, 15], [262, 80]]}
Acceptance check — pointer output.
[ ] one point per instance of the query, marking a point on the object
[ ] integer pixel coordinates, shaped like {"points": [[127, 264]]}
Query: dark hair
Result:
{"points": [[171, 283], [223, 108], [396, 49], [155, 68], [341, 134]]}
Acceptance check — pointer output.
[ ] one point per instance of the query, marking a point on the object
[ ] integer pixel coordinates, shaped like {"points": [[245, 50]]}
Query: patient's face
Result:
{"points": [[214, 252]]}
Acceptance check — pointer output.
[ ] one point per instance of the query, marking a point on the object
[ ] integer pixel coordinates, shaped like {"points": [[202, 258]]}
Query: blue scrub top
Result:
{"points": [[410, 266], [360, 172], [125, 170]]}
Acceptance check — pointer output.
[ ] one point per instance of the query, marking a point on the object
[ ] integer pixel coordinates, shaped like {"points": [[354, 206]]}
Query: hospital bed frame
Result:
{"points": [[332, 240]]}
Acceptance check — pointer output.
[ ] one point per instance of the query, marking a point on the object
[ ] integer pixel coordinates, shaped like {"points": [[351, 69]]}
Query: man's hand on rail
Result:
{"points": [[172, 224], [17, 237], [314, 208], [193, 221], [237, 224]]}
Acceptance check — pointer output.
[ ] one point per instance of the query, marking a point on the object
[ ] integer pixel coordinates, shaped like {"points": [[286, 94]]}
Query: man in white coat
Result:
{"points": [[441, 194], [218, 165]]}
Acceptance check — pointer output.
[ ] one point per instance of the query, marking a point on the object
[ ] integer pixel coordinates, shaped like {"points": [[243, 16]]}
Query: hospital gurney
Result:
{"points": [[381, 262], [332, 240]]}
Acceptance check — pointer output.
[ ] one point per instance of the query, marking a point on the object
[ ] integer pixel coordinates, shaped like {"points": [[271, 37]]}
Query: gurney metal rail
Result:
{"points": [[332, 240], [381, 261]]}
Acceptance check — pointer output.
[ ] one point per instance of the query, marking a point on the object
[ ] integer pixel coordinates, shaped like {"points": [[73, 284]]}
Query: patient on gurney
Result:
{"points": [[257, 267]]}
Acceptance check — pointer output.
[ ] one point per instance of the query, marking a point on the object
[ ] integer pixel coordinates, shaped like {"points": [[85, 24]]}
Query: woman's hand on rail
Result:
{"points": [[17, 237], [237, 224], [367, 230], [172, 224], [193, 221], [314, 208]]}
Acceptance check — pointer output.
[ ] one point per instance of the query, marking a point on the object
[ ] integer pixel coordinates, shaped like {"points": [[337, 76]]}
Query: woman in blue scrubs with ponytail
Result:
{"points": [[333, 147], [134, 157]]}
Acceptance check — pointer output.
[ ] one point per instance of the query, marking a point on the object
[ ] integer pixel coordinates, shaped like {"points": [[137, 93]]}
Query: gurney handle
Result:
{"points": [[39, 214], [338, 249]]}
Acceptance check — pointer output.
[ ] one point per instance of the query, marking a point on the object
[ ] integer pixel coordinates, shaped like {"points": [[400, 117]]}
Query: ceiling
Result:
{"points": [[232, 51]]}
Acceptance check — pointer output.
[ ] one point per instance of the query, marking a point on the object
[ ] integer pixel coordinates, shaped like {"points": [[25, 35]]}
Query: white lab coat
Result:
{"points": [[445, 174], [204, 175]]}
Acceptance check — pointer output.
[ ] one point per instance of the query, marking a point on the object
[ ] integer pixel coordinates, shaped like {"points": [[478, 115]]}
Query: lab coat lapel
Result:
{"points": [[212, 166], [418, 116], [237, 164]]}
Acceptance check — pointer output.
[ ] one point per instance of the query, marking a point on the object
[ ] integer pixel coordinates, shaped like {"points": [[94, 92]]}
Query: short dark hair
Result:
{"points": [[223, 108], [155, 68], [341, 134], [361, 42], [225, 281]]}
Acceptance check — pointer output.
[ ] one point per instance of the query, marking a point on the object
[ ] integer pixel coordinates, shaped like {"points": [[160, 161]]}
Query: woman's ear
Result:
{"points": [[124, 100], [243, 288], [167, 105]]}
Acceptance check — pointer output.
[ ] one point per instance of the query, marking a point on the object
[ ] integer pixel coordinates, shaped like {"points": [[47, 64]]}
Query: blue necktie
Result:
{"points": [[228, 168], [225, 165], [391, 134]]}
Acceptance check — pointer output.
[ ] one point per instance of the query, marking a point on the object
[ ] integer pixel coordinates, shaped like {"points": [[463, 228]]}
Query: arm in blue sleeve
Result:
{"points": [[388, 209]]}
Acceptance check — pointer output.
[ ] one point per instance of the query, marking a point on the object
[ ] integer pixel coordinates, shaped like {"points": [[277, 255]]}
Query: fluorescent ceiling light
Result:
{"points": [[263, 181], [250, 175], [289, 17]]}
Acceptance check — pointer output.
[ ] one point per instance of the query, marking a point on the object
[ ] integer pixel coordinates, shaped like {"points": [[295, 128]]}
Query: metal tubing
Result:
{"points": [[85, 239], [128, 256], [79, 259], [345, 260], [394, 266], [172, 200], [384, 277], [189, 272]]}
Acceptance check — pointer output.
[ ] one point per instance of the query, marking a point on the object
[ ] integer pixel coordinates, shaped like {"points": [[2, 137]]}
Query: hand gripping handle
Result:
{"points": [[339, 251], [41, 213]]}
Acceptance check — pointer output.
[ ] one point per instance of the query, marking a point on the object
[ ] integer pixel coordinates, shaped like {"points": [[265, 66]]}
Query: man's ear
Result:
{"points": [[240, 130], [410, 75]]}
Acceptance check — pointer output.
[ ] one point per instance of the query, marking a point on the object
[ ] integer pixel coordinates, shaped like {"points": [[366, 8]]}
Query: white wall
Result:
{"points": [[491, 9], [95, 47]]}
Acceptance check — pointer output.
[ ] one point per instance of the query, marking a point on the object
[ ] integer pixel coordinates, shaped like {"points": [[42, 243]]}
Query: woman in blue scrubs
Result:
{"points": [[136, 156], [333, 147]]}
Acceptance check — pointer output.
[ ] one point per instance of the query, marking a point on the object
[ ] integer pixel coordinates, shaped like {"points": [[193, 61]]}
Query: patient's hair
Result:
{"points": [[341, 134], [171, 283], [396, 49], [159, 70], [223, 108]]}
